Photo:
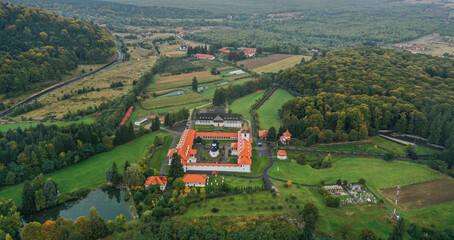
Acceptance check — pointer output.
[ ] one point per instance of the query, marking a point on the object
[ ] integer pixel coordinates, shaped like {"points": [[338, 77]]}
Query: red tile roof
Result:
{"points": [[287, 134], [211, 134], [281, 153], [126, 117], [244, 161], [184, 146], [194, 178], [234, 145], [153, 180], [171, 152], [263, 133], [198, 55]]}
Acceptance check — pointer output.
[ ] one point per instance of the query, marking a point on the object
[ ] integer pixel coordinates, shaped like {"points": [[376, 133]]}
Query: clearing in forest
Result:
{"points": [[281, 65], [422, 194], [260, 62]]}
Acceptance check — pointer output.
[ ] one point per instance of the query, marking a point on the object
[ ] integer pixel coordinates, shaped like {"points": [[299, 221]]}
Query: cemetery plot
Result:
{"points": [[352, 194], [422, 195]]}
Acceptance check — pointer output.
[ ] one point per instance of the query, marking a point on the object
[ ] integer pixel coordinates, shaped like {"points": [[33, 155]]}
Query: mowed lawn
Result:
{"points": [[6, 127], [243, 105], [250, 204], [91, 172], [281, 65], [268, 112], [441, 216], [378, 173]]}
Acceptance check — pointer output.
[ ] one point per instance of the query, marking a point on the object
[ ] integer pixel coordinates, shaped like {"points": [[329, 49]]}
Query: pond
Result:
{"points": [[109, 204]]}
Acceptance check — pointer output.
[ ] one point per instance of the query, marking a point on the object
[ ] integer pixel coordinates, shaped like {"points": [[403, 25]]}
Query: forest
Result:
{"points": [[351, 93], [330, 28], [37, 46]]}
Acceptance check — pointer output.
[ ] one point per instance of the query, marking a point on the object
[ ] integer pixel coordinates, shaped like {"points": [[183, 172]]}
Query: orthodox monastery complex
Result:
{"points": [[241, 147]]}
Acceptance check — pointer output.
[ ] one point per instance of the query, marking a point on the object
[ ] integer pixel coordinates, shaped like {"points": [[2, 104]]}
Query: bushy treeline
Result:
{"points": [[39, 195], [26, 108], [176, 116], [91, 227], [352, 93], [11, 222], [38, 46], [26, 153], [232, 92]]}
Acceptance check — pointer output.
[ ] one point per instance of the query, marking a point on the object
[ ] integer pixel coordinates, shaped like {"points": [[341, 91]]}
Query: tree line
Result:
{"points": [[230, 93]]}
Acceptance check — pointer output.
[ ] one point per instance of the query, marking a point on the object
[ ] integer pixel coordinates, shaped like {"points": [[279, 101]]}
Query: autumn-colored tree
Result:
{"points": [[49, 230], [83, 226]]}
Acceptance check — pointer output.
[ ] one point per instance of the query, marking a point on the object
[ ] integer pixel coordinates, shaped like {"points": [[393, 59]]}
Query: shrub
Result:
{"points": [[362, 181], [215, 210], [279, 207], [273, 207], [339, 181], [388, 157], [332, 201], [138, 196]]}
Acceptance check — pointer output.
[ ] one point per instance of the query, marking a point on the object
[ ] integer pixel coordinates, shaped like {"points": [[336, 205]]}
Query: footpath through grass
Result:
{"points": [[6, 127], [91, 172], [268, 112], [243, 105]]}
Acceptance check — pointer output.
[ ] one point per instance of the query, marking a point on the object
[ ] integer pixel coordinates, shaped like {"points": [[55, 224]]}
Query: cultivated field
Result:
{"points": [[164, 84], [91, 172], [171, 101], [281, 65], [268, 112], [260, 62], [422, 194]]}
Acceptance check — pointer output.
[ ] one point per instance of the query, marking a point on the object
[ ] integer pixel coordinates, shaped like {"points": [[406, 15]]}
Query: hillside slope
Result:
{"points": [[37, 46]]}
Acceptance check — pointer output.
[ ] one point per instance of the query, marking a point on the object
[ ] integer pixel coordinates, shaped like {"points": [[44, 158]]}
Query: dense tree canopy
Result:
{"points": [[355, 91], [37, 46]]}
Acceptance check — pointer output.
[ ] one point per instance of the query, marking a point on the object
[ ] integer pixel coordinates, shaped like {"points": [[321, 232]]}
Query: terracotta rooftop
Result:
{"points": [[194, 178], [281, 153], [153, 180], [263, 133]]}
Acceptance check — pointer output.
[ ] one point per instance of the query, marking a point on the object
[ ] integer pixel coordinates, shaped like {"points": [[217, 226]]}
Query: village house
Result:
{"points": [[157, 180], [140, 121], [282, 155], [286, 137], [242, 149], [195, 180], [263, 134]]}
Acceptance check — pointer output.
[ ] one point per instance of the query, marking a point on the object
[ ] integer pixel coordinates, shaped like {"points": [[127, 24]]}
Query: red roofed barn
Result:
{"points": [[156, 180]]}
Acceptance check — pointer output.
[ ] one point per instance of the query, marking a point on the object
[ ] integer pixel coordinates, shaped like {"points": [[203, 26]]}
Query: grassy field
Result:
{"points": [[378, 173], [243, 105], [372, 217], [438, 216], [281, 65], [160, 154], [268, 112], [258, 165], [91, 172], [171, 101], [250, 204], [6, 127]]}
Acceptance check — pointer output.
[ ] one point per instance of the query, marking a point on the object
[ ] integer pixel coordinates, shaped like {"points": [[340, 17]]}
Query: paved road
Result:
{"points": [[60, 85]]}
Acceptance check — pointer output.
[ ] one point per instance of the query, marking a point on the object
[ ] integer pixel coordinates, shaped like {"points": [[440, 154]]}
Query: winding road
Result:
{"points": [[60, 85]]}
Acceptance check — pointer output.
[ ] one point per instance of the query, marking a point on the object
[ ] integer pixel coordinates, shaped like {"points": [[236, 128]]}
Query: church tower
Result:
{"points": [[245, 133]]}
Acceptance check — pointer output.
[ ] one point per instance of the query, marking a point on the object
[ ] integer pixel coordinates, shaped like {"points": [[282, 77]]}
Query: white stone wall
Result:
{"points": [[240, 168], [195, 184]]}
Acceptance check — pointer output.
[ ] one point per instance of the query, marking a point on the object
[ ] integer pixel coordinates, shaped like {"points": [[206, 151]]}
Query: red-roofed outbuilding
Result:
{"points": [[195, 180], [156, 180]]}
